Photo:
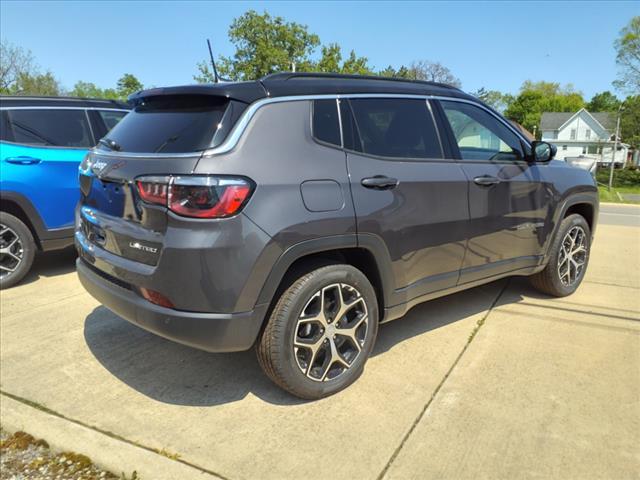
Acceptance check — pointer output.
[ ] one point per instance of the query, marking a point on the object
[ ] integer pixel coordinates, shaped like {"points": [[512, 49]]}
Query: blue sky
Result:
{"points": [[497, 45]]}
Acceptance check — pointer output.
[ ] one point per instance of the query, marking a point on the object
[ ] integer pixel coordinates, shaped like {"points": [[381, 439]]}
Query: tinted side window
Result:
{"points": [[111, 117], [55, 128], [399, 128], [479, 135], [325, 121]]}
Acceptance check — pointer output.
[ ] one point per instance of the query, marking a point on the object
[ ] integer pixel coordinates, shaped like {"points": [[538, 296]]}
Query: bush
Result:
{"points": [[625, 177]]}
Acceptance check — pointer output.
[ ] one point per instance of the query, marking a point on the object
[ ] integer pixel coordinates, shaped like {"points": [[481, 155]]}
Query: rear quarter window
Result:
{"points": [[326, 126], [111, 117]]}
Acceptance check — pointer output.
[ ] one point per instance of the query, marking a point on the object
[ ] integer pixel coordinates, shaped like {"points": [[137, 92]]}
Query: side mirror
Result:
{"points": [[543, 151]]}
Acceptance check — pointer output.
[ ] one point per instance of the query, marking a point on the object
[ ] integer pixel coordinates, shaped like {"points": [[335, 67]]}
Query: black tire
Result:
{"points": [[275, 347], [28, 250], [548, 280]]}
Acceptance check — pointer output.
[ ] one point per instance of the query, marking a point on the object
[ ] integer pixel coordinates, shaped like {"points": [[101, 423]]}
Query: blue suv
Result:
{"points": [[42, 142]]}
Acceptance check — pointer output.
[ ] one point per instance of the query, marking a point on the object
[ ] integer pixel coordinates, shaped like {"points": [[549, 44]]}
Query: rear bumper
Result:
{"points": [[214, 332]]}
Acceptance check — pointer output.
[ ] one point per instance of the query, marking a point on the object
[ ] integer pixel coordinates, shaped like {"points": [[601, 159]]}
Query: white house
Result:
{"points": [[583, 134]]}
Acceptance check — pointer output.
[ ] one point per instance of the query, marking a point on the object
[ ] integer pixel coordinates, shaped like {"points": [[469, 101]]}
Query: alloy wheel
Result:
{"points": [[573, 256], [330, 332], [11, 251]]}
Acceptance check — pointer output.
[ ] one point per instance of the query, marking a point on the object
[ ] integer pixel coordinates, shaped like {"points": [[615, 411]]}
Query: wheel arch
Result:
{"points": [[367, 256], [17, 205], [585, 204]]}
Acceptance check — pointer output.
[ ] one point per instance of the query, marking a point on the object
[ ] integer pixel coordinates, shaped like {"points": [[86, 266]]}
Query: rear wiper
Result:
{"points": [[110, 143]]}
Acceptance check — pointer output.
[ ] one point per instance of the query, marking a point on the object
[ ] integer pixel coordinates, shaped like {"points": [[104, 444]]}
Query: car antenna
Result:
{"points": [[213, 63]]}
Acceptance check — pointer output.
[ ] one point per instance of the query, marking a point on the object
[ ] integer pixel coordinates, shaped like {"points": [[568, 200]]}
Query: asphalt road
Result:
{"points": [[619, 214]]}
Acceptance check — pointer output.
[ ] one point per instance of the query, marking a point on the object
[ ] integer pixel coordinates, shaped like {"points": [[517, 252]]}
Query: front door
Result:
{"points": [[405, 192], [508, 200]]}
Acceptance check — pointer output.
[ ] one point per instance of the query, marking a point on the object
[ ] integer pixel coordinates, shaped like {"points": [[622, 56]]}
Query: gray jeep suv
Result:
{"points": [[297, 212]]}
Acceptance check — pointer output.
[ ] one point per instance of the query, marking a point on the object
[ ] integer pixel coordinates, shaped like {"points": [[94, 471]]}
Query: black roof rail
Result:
{"points": [[284, 76], [62, 98]]}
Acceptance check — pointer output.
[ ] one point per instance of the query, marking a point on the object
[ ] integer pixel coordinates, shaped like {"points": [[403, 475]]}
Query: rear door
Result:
{"points": [[508, 199], [40, 153], [405, 192]]}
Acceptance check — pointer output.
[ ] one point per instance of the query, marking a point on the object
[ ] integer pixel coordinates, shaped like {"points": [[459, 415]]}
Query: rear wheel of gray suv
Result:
{"points": [[17, 250], [321, 332], [568, 258]]}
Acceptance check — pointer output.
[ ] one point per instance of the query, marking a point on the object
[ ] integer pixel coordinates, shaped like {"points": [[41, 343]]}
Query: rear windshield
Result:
{"points": [[174, 124]]}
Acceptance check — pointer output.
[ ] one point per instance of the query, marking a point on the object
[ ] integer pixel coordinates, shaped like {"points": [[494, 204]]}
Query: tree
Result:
{"points": [[331, 62], [264, 45], [19, 75], [90, 90], [44, 84], [37, 84], [14, 62], [627, 47], [538, 97], [432, 72], [498, 100], [603, 102], [402, 72], [630, 121], [128, 84]]}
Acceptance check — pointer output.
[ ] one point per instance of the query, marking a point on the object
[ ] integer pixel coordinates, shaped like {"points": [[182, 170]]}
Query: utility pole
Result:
{"points": [[615, 148]]}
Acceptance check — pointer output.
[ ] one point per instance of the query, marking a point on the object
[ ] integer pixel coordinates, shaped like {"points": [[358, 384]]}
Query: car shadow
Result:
{"points": [[51, 264], [172, 373]]}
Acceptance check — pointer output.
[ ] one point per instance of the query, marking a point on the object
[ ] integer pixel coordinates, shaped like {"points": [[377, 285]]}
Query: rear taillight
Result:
{"points": [[152, 191], [196, 196]]}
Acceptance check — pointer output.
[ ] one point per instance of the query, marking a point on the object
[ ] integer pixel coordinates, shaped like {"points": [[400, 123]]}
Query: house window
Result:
{"points": [[564, 147], [584, 150], [587, 134], [573, 134]]}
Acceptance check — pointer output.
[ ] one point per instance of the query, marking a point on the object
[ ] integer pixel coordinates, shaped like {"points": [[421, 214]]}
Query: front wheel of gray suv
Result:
{"points": [[568, 259], [320, 332]]}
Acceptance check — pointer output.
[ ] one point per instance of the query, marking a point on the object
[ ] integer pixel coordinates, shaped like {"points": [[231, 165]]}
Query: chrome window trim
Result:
{"points": [[340, 123], [243, 122]]}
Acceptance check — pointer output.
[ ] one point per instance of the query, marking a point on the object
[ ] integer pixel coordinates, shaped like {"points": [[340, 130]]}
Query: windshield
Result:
{"points": [[172, 124]]}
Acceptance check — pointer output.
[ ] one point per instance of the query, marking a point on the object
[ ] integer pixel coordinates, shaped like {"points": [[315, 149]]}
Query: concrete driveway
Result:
{"points": [[495, 382]]}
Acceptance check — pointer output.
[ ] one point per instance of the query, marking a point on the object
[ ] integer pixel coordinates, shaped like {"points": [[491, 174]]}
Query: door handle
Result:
{"points": [[379, 182], [486, 180], [23, 160]]}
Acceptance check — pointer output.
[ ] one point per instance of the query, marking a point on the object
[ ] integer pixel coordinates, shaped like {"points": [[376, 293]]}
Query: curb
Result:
{"points": [[108, 453], [611, 204]]}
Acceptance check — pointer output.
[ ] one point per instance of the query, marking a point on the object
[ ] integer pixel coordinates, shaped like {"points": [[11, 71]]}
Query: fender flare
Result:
{"points": [[328, 244], [29, 210], [46, 239], [590, 198]]}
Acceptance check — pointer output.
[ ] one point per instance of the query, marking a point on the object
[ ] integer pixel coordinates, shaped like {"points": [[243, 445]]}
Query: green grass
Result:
{"points": [[613, 197]]}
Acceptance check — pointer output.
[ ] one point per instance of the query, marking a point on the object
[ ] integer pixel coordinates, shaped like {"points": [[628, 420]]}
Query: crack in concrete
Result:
{"points": [[115, 436], [422, 413]]}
